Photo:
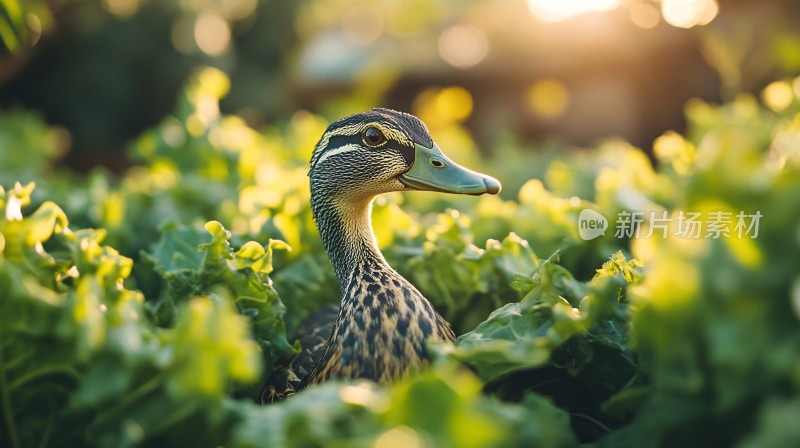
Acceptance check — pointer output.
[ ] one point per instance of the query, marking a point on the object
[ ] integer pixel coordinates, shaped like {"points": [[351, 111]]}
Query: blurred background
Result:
{"points": [[571, 71]]}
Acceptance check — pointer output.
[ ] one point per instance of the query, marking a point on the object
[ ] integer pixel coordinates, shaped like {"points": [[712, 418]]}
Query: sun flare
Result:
{"points": [[557, 10]]}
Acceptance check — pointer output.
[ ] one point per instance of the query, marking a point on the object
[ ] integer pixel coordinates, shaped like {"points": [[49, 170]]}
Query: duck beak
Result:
{"points": [[433, 171]]}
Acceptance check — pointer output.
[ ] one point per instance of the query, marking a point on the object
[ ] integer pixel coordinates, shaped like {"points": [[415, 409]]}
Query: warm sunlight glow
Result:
{"points": [[399, 437], [454, 102], [463, 46], [778, 96], [448, 105], [363, 25], [644, 15], [358, 395], [13, 208], [556, 10], [122, 8], [689, 13], [212, 34], [548, 98]]}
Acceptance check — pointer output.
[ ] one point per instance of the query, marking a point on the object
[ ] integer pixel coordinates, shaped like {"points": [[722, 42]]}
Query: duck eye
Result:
{"points": [[374, 137]]}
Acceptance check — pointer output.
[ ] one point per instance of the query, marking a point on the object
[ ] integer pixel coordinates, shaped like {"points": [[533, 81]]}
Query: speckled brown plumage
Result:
{"points": [[313, 333], [381, 329]]}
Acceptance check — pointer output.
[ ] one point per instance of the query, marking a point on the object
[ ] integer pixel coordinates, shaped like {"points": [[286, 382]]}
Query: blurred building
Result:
{"points": [[573, 70], [578, 71]]}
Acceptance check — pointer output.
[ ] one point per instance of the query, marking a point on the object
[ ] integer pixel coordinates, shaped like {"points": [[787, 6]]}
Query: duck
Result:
{"points": [[383, 323]]}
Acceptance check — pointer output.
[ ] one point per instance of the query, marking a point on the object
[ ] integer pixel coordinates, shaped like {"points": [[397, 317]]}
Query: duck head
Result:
{"points": [[382, 150]]}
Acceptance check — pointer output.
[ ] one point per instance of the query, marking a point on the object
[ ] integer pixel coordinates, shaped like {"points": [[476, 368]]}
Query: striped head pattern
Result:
{"points": [[366, 152]]}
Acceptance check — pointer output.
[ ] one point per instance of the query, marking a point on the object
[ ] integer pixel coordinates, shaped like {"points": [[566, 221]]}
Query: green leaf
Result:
{"points": [[441, 407], [47, 218], [218, 272]]}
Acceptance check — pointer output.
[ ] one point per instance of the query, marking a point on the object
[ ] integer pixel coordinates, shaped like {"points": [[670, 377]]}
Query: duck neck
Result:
{"points": [[345, 226]]}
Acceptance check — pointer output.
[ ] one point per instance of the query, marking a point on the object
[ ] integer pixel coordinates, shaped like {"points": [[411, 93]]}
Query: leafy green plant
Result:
{"points": [[442, 407], [75, 340], [146, 311], [192, 267], [716, 319]]}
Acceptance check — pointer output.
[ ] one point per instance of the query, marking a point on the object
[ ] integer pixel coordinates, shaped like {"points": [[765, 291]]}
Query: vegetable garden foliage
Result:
{"points": [[146, 311]]}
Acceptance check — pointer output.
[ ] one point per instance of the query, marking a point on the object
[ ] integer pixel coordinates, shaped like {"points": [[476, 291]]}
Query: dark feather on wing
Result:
{"points": [[313, 334]]}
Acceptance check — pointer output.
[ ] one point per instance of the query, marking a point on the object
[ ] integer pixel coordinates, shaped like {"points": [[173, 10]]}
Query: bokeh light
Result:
{"points": [[454, 102], [172, 133], [212, 34], [363, 25], [122, 8], [644, 15], [689, 13], [548, 98], [238, 9], [446, 105], [778, 96], [356, 55], [557, 10], [566, 102], [463, 46]]}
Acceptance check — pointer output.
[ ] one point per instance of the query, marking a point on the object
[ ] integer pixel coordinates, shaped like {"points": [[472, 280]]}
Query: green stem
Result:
{"points": [[131, 398], [448, 299], [593, 420], [175, 417], [11, 363], [66, 370], [5, 395], [43, 443]]}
